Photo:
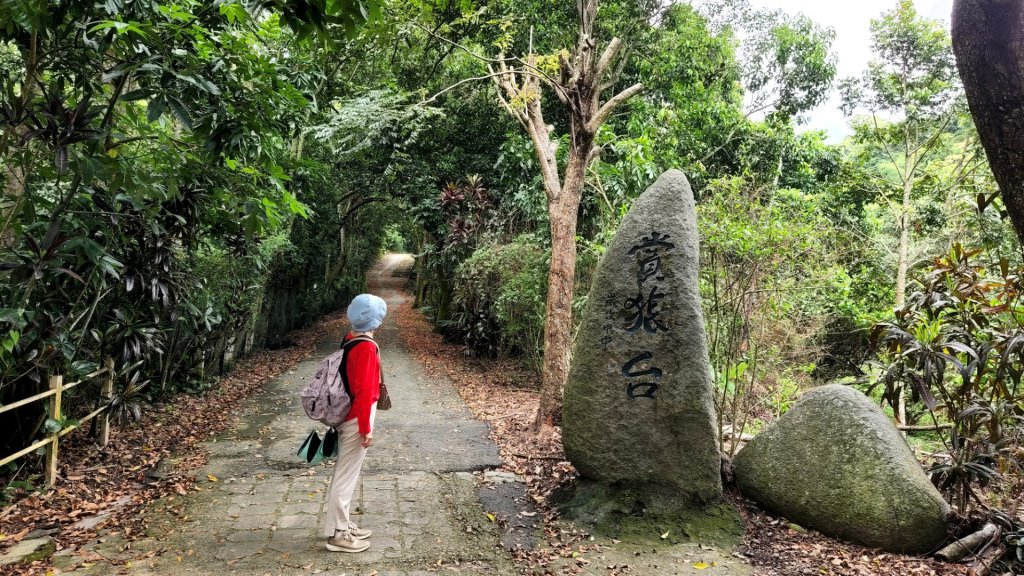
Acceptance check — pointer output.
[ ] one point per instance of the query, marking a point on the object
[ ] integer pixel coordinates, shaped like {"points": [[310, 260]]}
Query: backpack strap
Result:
{"points": [[346, 344]]}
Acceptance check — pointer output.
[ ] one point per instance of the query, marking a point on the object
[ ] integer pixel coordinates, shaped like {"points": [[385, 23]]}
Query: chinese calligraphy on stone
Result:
{"points": [[648, 386], [642, 313]]}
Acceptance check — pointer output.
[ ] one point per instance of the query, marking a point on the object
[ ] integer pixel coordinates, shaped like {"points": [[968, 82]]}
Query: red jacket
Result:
{"points": [[363, 372]]}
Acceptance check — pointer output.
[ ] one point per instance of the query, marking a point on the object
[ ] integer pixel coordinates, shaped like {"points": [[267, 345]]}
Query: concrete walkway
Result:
{"points": [[262, 515], [429, 490]]}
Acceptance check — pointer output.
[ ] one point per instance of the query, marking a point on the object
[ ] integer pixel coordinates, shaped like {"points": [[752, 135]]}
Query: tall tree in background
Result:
{"points": [[578, 80], [787, 63], [988, 39], [908, 91]]}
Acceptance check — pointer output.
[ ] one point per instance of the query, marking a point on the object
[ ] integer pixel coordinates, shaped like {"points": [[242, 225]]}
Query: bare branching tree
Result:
{"points": [[581, 79]]}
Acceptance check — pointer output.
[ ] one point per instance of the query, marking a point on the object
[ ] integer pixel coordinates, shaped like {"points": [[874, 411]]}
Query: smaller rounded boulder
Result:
{"points": [[835, 463]]}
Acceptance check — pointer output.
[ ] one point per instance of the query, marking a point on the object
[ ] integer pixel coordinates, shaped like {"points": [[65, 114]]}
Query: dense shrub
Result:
{"points": [[498, 304], [315, 274], [770, 282], [956, 348]]}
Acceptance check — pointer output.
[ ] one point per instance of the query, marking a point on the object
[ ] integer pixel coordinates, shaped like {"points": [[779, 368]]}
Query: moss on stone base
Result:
{"points": [[643, 514]]}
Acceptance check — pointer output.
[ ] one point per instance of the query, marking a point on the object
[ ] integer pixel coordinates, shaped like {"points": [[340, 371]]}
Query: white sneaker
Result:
{"points": [[345, 542]]}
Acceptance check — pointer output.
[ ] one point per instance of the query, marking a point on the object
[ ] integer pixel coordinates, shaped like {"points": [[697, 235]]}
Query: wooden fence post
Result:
{"points": [[108, 392], [56, 384]]}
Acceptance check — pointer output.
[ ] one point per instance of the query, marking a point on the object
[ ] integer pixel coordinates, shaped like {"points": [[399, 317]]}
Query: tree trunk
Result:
{"points": [[901, 408], [333, 272], [903, 251], [15, 179], [582, 80], [904, 244], [562, 214], [902, 265], [14, 191], [988, 41]]}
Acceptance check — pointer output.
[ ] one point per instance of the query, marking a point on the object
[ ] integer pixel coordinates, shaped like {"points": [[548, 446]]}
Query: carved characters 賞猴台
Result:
{"points": [[638, 406]]}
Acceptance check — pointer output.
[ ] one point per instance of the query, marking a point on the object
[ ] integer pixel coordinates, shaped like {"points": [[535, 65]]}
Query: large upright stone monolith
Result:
{"points": [[639, 413]]}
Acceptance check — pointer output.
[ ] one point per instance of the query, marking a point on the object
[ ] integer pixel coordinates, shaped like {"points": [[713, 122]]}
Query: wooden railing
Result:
{"points": [[55, 394]]}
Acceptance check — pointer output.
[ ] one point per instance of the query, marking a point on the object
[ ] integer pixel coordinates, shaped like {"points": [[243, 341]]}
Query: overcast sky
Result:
{"points": [[850, 20]]}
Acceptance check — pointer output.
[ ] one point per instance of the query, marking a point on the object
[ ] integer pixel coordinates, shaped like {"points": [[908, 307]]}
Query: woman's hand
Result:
{"points": [[367, 440]]}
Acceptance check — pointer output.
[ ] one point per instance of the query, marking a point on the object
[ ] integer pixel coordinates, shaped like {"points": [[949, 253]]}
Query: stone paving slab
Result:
{"points": [[433, 527]]}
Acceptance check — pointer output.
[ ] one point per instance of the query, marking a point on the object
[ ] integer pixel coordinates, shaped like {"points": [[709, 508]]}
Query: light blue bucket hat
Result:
{"points": [[366, 312]]}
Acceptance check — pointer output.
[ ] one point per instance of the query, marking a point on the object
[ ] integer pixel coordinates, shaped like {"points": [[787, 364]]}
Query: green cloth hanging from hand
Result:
{"points": [[314, 449], [310, 449]]}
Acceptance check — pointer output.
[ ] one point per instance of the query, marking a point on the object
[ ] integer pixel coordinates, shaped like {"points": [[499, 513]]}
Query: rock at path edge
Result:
{"points": [[835, 463]]}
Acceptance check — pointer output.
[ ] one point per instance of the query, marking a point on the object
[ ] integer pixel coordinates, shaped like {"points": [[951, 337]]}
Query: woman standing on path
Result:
{"points": [[362, 373]]}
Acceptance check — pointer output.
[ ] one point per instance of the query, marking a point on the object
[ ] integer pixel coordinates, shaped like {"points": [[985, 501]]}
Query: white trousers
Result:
{"points": [[346, 475]]}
